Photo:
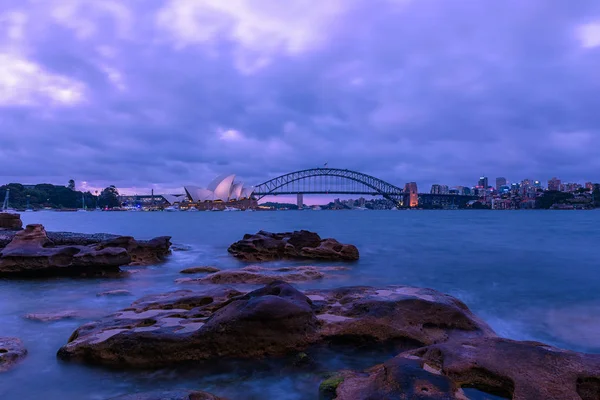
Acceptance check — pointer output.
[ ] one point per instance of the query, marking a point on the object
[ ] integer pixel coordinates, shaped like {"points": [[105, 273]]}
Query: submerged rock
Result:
{"points": [[265, 246], [274, 320], [169, 395], [66, 314], [252, 276], [117, 292], [199, 270], [32, 253], [501, 367], [12, 351]]}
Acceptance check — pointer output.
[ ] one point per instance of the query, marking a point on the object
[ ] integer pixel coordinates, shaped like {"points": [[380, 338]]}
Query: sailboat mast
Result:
{"points": [[5, 204]]}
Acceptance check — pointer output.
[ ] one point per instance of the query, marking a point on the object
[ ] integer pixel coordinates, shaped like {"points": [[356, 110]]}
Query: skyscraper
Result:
{"points": [[410, 191], [554, 184], [436, 189], [500, 182], [483, 182]]}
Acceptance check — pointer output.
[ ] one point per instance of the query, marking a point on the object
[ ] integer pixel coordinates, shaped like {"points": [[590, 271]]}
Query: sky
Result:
{"points": [[160, 94]]}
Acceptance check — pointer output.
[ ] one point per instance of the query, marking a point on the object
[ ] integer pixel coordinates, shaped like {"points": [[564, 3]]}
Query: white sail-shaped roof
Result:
{"points": [[221, 187], [197, 194], [247, 192], [172, 199], [236, 191]]}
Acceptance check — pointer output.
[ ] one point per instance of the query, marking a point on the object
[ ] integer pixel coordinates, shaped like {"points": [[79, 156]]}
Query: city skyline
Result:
{"points": [[168, 94]]}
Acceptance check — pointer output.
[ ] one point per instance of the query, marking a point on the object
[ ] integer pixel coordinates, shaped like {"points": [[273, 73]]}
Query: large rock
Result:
{"points": [[142, 252], [11, 352], [274, 320], [265, 246], [169, 395], [33, 253], [502, 367], [10, 221]]}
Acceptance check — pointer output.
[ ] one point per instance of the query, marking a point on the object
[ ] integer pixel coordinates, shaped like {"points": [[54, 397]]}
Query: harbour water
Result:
{"points": [[532, 275]]}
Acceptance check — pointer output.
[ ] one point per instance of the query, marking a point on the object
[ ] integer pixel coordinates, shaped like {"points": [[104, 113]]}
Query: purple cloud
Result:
{"points": [[160, 94]]}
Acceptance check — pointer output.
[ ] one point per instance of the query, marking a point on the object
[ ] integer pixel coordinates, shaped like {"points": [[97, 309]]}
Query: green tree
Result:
{"points": [[551, 197], [71, 184], [109, 198]]}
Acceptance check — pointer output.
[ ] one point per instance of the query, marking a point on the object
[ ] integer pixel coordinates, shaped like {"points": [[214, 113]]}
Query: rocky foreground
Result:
{"points": [[32, 253], [11, 352], [442, 346], [301, 245]]}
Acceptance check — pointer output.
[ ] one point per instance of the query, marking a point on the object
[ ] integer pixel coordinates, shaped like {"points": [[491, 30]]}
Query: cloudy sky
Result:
{"points": [[149, 93]]}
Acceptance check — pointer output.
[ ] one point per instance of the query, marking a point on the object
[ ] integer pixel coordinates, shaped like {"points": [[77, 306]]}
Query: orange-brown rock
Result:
{"points": [[33, 252], [200, 270], [10, 221], [11, 352], [502, 367], [277, 319], [265, 246], [252, 276]]}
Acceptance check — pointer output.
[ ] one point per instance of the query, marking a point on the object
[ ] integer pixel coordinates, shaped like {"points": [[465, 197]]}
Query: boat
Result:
{"points": [[171, 209], [5, 208], [231, 209], [193, 209], [249, 210], [83, 209]]}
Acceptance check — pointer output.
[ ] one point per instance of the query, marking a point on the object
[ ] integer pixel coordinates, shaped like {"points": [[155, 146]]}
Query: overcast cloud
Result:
{"points": [[148, 93]]}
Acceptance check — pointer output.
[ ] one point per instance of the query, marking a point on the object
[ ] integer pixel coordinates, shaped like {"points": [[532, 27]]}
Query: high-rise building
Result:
{"points": [[589, 186], [483, 182], [500, 182], [435, 189], [554, 184], [410, 191]]}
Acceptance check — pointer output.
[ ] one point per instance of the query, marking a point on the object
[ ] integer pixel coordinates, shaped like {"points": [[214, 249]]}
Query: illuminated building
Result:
{"points": [[221, 193], [483, 182], [410, 191], [554, 184]]}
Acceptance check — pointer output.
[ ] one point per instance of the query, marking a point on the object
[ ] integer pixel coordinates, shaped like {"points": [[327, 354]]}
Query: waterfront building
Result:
{"points": [[411, 198], [221, 193], [500, 182], [436, 189], [554, 184], [483, 182]]}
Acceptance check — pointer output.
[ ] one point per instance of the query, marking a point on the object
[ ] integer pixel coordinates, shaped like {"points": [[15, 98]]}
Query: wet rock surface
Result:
{"points": [[200, 270], [10, 221], [255, 275], [169, 395], [501, 367], [266, 246], [274, 320], [65, 314], [33, 252], [12, 351], [116, 292]]}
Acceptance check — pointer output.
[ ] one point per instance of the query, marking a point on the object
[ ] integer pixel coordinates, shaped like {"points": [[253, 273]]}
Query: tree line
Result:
{"points": [[46, 195]]}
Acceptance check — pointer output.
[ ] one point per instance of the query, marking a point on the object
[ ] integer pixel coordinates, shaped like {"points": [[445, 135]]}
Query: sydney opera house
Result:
{"points": [[222, 193]]}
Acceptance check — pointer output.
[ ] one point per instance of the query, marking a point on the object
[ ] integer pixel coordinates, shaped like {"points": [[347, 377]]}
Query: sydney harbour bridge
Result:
{"points": [[348, 182]]}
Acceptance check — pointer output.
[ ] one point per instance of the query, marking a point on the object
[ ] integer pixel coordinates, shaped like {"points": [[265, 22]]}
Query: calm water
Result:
{"points": [[531, 275]]}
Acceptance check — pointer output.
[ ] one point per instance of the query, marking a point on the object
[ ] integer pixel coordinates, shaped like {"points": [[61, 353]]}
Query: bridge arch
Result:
{"points": [[365, 184]]}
